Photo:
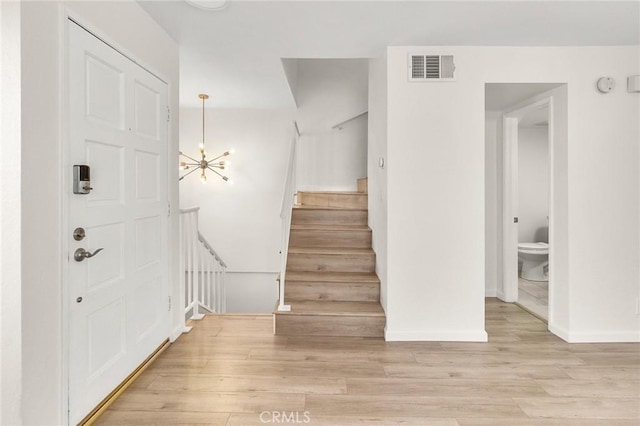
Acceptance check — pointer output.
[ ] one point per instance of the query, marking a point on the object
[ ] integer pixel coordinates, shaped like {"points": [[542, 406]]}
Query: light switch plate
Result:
{"points": [[633, 84]]}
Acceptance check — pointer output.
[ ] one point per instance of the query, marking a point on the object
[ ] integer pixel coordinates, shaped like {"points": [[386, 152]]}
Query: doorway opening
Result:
{"points": [[528, 171], [520, 202]]}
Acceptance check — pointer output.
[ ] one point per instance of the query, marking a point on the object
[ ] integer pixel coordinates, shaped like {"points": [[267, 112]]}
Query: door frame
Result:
{"points": [[67, 16], [510, 122]]}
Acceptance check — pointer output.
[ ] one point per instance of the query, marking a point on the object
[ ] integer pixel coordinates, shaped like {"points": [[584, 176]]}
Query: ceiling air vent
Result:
{"points": [[431, 68]]}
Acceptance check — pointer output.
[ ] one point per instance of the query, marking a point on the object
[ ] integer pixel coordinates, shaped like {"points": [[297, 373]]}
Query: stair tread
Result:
{"points": [[337, 277], [321, 227], [333, 308], [330, 250], [312, 207]]}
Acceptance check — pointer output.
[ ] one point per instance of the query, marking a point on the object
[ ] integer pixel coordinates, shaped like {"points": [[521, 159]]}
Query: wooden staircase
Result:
{"points": [[331, 283]]}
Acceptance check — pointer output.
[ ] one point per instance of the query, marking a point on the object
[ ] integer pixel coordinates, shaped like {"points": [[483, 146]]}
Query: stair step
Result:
{"points": [[307, 215], [363, 185], [331, 259], [354, 236], [332, 286], [364, 319], [366, 309], [353, 200], [336, 277]]}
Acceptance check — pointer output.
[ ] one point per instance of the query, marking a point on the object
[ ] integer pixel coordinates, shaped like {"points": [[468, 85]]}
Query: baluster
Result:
{"points": [[181, 256], [217, 286], [223, 292], [189, 255], [212, 280], [208, 279], [196, 289]]}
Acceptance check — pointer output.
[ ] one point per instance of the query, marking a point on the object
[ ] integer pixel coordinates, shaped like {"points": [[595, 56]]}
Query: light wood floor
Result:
{"points": [[230, 369]]}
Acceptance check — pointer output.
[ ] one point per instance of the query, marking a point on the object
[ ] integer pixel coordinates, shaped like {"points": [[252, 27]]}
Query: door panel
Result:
{"points": [[147, 242], [104, 92], [106, 176], [147, 106], [147, 172], [107, 268], [118, 309], [146, 315], [106, 337]]}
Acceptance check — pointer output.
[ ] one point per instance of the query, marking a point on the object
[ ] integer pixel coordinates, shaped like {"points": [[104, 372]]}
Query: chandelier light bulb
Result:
{"points": [[203, 178]]}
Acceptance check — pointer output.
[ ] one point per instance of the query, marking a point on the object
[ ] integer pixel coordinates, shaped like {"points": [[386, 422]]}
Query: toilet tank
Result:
{"points": [[541, 235]]}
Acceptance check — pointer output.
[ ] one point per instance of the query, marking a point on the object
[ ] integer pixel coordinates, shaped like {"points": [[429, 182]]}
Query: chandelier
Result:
{"points": [[203, 164]]}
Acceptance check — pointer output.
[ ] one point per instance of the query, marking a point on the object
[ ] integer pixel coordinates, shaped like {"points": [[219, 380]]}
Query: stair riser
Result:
{"points": [[329, 291], [329, 217], [346, 201], [316, 238], [331, 262], [326, 325]]}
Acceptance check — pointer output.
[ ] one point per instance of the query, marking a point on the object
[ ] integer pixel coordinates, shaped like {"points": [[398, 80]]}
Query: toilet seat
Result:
{"points": [[533, 248]]}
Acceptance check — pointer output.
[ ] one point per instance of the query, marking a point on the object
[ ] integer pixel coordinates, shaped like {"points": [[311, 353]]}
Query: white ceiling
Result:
{"points": [[234, 54]]}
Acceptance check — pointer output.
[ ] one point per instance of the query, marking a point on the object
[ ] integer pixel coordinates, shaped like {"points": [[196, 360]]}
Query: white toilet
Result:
{"points": [[535, 261]]}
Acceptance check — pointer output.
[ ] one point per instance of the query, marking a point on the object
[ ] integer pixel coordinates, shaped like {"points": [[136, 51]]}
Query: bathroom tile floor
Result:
{"points": [[534, 296]]}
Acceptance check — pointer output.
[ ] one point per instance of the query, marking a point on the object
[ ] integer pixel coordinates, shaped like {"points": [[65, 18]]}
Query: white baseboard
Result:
{"points": [[559, 331], [500, 295], [434, 336], [596, 337], [491, 292], [176, 333], [610, 337]]}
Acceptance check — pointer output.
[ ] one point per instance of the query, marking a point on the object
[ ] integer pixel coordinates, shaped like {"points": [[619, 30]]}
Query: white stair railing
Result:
{"points": [[288, 200], [202, 279]]}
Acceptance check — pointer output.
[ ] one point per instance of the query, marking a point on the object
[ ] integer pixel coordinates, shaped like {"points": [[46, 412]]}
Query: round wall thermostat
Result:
{"points": [[605, 84]]}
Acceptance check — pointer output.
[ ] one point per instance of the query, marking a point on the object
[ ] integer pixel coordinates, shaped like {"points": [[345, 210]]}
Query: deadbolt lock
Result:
{"points": [[79, 234]]}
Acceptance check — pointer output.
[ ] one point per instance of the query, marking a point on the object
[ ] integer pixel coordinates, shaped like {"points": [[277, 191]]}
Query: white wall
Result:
{"points": [[254, 293], [435, 205], [333, 160], [377, 182], [127, 26], [290, 68], [327, 92], [241, 221], [493, 202], [533, 183], [436, 194], [10, 243]]}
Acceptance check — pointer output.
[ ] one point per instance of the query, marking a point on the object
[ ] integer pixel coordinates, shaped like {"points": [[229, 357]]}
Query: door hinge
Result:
{"points": [[169, 300], [168, 208], [168, 114]]}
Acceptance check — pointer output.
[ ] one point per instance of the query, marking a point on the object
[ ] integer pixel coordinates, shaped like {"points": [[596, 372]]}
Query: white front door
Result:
{"points": [[118, 308]]}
